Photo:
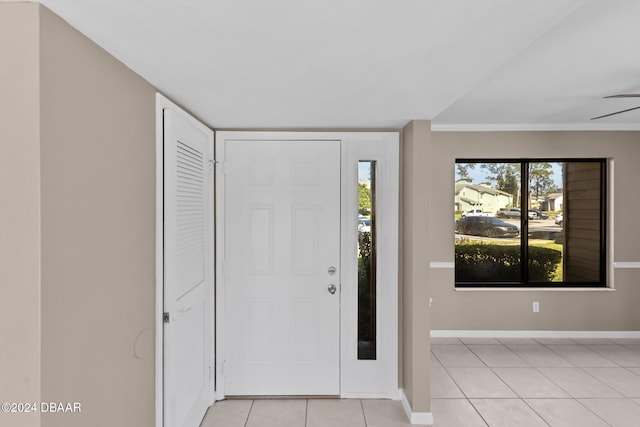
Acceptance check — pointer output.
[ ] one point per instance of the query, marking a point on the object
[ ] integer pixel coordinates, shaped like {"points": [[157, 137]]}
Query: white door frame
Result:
{"points": [[380, 146], [163, 103]]}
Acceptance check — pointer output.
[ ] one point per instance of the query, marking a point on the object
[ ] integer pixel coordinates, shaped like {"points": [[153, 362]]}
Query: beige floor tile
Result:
{"points": [[472, 340], [619, 354], [633, 347], [497, 356], [636, 400], [507, 413], [335, 413], [548, 341], [565, 413], [620, 379], [455, 413], [384, 413], [455, 355], [434, 360], [626, 341], [593, 341], [445, 340], [277, 413], [578, 383], [442, 386], [616, 412], [529, 383], [509, 341], [480, 383], [539, 356], [635, 370], [228, 413], [581, 356]]}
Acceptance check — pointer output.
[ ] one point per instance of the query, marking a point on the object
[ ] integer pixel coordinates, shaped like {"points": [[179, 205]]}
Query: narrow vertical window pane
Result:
{"points": [[546, 236], [367, 260], [487, 212]]}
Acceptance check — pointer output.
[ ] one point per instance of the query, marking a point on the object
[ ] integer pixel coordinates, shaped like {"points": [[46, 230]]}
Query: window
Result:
{"points": [[367, 260], [549, 212]]}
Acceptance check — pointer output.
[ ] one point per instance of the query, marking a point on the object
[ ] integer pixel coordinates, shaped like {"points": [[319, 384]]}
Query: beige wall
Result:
{"points": [[98, 232], [19, 211], [415, 232], [561, 310], [77, 226]]}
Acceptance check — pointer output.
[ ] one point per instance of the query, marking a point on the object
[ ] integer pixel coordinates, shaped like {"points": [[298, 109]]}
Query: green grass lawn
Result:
{"points": [[551, 245]]}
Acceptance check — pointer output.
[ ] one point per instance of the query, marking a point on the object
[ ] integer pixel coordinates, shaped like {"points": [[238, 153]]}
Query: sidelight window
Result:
{"points": [[367, 260]]}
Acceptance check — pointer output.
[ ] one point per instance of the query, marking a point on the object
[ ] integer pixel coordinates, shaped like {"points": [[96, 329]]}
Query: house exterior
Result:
{"points": [[480, 196], [77, 254], [553, 202]]}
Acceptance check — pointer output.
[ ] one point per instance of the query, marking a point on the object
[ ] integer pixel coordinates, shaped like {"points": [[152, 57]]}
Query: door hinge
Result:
{"points": [[211, 166], [165, 317]]}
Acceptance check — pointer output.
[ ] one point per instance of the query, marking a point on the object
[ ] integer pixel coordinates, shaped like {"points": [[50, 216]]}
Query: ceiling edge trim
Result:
{"points": [[534, 127]]}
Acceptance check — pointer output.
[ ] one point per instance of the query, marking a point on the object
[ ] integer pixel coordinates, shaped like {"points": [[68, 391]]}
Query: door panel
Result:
{"points": [[282, 210], [188, 284]]}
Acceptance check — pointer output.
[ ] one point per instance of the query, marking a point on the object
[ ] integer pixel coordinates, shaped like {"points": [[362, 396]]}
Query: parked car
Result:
{"points": [[486, 226], [475, 212], [515, 213], [364, 224], [509, 213], [559, 219], [539, 213]]}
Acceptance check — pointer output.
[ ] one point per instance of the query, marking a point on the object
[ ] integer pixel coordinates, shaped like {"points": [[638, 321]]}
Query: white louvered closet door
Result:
{"points": [[188, 258]]}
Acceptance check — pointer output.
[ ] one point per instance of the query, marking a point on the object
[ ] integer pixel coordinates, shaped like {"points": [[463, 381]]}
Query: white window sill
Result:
{"points": [[517, 289]]}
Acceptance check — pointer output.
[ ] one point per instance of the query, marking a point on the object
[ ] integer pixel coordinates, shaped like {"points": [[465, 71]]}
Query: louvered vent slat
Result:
{"points": [[190, 210]]}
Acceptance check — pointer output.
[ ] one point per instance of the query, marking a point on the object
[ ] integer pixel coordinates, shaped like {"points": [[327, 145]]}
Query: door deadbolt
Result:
{"points": [[332, 270]]}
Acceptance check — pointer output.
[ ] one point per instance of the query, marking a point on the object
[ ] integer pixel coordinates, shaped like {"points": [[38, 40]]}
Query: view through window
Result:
{"points": [[550, 213], [367, 260]]}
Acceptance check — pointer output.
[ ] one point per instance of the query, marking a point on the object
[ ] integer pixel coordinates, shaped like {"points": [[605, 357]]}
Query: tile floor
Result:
{"points": [[306, 413], [483, 382], [535, 382]]}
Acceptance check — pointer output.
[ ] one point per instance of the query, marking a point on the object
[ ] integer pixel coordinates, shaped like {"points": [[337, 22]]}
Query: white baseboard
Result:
{"points": [[420, 418], [533, 334]]}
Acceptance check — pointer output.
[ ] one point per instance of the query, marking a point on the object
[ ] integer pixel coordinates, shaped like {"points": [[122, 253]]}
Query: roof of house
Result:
{"points": [[554, 195], [460, 185]]}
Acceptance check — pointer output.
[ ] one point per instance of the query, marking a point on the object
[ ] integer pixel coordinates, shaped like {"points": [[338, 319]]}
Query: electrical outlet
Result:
{"points": [[536, 307]]}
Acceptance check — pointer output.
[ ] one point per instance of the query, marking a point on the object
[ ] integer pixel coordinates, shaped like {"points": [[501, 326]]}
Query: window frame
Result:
{"points": [[524, 225]]}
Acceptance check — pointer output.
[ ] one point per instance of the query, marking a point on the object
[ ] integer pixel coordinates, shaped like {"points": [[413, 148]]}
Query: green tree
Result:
{"points": [[462, 169], [364, 199], [505, 177], [540, 179]]}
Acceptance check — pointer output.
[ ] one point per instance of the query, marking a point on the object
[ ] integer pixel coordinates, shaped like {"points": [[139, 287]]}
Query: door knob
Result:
{"points": [[332, 289]]}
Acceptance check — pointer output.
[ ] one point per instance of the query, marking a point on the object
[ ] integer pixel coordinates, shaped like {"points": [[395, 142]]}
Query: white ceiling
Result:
{"points": [[378, 63]]}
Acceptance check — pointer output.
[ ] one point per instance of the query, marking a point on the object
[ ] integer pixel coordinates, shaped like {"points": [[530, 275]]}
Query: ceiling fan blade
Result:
{"points": [[625, 95], [613, 114]]}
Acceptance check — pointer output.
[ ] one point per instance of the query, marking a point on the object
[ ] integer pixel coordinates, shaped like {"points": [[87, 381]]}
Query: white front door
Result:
{"points": [[282, 272], [187, 259]]}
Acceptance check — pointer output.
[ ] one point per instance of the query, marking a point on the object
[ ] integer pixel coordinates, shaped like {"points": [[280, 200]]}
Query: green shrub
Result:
{"points": [[501, 263]]}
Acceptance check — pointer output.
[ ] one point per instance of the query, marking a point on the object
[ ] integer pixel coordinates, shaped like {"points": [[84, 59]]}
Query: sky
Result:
{"points": [[364, 170], [479, 175]]}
